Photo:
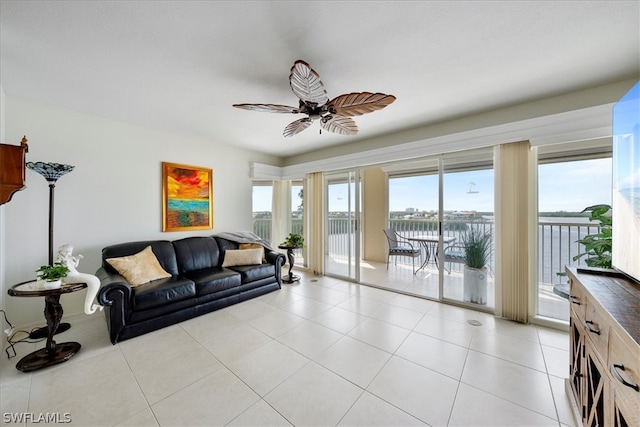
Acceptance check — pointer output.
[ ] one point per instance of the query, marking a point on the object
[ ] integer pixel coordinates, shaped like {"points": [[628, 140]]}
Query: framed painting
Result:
{"points": [[187, 197]]}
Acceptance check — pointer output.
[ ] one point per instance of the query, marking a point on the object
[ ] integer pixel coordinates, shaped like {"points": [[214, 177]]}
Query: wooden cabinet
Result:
{"points": [[624, 366], [604, 350], [12, 169], [595, 390], [576, 373]]}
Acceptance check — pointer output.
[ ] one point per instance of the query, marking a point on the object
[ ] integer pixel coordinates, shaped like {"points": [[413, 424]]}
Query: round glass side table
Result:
{"points": [[52, 353]]}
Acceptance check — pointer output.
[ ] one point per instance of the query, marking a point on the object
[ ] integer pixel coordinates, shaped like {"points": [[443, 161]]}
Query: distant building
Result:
{"points": [[460, 215]]}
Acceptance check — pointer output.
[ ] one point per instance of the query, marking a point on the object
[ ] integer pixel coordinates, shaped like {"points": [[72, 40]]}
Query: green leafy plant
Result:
{"points": [[51, 273], [597, 247], [477, 247], [294, 239]]}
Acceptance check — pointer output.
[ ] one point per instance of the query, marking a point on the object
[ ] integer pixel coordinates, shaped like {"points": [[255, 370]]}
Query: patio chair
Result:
{"points": [[453, 253], [400, 246]]}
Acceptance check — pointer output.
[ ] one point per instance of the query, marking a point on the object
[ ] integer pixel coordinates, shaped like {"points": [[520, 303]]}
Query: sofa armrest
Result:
{"points": [[116, 296], [114, 289], [275, 258]]}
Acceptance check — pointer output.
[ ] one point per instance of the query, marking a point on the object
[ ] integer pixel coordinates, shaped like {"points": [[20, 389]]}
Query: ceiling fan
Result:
{"points": [[334, 115]]}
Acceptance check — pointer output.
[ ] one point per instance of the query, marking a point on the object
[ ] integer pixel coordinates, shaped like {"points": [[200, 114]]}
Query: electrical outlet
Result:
{"points": [[9, 331]]}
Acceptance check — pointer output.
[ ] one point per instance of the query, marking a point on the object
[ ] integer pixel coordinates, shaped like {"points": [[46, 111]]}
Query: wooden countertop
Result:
{"points": [[618, 295]]}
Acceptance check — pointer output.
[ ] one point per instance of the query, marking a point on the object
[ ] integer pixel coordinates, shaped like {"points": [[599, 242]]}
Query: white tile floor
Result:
{"points": [[400, 277], [319, 352]]}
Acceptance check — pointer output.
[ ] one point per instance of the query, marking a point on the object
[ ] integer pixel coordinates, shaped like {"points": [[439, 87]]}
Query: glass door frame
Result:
{"points": [[440, 166], [451, 164], [353, 179]]}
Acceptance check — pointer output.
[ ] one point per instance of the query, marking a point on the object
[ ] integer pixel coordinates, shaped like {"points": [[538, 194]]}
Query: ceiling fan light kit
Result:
{"points": [[334, 115]]}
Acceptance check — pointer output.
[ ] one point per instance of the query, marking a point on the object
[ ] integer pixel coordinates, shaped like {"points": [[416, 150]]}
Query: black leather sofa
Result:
{"points": [[198, 284]]}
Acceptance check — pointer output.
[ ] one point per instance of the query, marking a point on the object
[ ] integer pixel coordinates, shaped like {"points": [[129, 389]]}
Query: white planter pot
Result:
{"points": [[475, 285], [52, 285]]}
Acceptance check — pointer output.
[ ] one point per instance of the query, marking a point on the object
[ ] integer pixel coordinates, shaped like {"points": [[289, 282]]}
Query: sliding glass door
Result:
{"points": [[414, 215], [468, 230], [436, 204], [342, 227]]}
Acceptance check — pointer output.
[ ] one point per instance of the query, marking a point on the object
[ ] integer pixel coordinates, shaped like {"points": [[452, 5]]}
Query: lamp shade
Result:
{"points": [[50, 171]]}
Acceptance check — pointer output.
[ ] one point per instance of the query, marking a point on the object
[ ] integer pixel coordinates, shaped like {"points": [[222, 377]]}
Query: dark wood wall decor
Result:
{"points": [[12, 169]]}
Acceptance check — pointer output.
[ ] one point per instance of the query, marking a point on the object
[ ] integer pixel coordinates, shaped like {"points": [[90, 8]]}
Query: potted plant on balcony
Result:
{"points": [[597, 247], [51, 275], [477, 251]]}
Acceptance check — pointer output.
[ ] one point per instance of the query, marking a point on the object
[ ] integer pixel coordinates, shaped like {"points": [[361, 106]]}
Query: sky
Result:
{"points": [[472, 190], [572, 186], [567, 186], [262, 198], [626, 130]]}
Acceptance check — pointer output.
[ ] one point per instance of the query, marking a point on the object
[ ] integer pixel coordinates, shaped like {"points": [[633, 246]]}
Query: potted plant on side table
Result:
{"points": [[294, 240], [477, 251], [291, 242], [51, 275]]}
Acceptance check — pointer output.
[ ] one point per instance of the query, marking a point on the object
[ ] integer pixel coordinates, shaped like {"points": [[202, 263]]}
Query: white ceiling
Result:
{"points": [[180, 65]]}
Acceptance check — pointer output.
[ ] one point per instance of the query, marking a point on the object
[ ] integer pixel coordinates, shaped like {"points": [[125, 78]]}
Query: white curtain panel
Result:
{"points": [[512, 216]]}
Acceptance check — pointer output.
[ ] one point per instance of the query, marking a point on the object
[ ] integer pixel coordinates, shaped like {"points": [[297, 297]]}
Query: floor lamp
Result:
{"points": [[51, 172]]}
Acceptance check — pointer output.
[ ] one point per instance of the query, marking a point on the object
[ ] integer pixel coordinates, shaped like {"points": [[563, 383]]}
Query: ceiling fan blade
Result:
{"points": [[268, 108], [306, 84], [296, 127], [339, 124], [358, 103]]}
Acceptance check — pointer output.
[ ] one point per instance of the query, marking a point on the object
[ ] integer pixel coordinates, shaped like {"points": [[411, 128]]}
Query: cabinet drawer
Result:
{"points": [[624, 367], [577, 299], [596, 325]]}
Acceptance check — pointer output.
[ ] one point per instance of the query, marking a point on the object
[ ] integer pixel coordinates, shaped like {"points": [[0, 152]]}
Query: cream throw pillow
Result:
{"points": [[254, 246], [140, 268], [242, 257]]}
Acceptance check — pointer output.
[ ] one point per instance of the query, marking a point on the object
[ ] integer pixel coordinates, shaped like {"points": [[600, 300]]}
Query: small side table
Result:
{"points": [[291, 277], [53, 353]]}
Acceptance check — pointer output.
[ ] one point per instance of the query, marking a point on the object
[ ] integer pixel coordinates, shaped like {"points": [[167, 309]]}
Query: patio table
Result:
{"points": [[430, 245]]}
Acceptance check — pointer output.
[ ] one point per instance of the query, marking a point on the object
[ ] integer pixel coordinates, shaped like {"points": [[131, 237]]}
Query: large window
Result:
{"points": [[297, 197], [262, 208], [297, 220], [565, 187], [263, 214]]}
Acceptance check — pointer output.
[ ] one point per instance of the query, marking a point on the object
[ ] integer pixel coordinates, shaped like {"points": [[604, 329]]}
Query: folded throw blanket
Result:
{"points": [[244, 237]]}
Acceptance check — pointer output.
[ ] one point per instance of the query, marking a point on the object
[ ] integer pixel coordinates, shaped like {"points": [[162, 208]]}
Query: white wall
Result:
{"points": [[112, 196], [2, 228]]}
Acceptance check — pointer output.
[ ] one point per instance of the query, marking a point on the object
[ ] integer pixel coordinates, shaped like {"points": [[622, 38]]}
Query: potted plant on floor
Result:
{"points": [[51, 275], [477, 252]]}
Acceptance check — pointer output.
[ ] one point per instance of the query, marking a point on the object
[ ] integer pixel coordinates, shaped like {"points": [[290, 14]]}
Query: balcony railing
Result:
{"points": [[557, 240], [558, 244], [262, 227], [450, 228]]}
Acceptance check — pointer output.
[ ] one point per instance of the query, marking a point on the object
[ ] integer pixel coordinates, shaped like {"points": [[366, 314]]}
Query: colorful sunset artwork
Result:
{"points": [[187, 197]]}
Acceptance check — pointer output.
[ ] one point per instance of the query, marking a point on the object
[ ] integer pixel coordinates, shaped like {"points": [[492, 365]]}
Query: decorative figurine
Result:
{"points": [[65, 256]]}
